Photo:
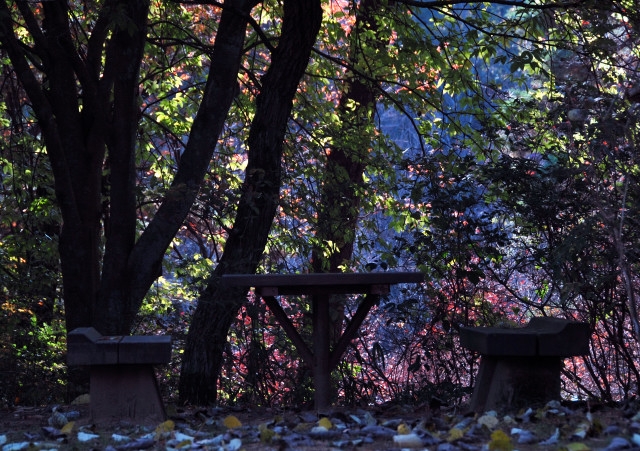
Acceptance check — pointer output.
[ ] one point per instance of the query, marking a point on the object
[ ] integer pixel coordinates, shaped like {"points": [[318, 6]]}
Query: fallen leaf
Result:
{"points": [[455, 434], [500, 441], [67, 428], [231, 422], [575, 446], [182, 438], [490, 421], [85, 436], [119, 438], [164, 429], [17, 446], [618, 443], [266, 434], [325, 423], [318, 430], [411, 440], [214, 441], [581, 431], [57, 420], [234, 445], [525, 437], [551, 440]]}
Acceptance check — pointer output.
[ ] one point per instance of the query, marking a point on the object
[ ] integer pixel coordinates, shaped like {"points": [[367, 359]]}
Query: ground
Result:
{"points": [[571, 427]]}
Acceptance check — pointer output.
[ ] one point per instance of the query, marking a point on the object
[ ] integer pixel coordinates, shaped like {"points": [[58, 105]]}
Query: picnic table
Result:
{"points": [[321, 286]]}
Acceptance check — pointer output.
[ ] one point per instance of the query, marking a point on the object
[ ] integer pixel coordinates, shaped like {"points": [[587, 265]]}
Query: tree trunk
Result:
{"points": [[143, 263], [217, 306], [74, 143], [111, 315], [339, 206], [87, 109]]}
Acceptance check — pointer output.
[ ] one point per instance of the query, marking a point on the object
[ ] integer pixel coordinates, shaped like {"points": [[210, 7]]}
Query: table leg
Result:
{"points": [[321, 351]]}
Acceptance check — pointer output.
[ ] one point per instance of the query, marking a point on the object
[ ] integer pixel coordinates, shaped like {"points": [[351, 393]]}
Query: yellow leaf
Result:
{"points": [[303, 427], [500, 441], [232, 422], [164, 428], [67, 428], [403, 429], [267, 435], [455, 434], [576, 446], [325, 423]]}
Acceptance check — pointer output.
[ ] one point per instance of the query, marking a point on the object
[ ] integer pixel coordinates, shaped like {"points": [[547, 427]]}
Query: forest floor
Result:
{"points": [[570, 427]]}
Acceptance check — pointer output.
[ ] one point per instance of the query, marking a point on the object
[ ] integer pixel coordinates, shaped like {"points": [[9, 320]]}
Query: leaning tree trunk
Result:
{"points": [[341, 190], [218, 307], [138, 272]]}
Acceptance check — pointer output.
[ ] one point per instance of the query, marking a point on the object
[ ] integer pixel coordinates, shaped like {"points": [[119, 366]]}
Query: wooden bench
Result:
{"points": [[122, 379], [521, 366]]}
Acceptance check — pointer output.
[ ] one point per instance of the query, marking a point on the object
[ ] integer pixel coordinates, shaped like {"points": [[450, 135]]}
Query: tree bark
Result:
{"points": [[144, 262], [124, 54], [92, 128], [218, 306], [340, 192], [72, 105]]}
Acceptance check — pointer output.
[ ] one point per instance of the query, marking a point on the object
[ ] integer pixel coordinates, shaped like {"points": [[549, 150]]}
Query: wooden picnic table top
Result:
{"points": [[315, 283]]}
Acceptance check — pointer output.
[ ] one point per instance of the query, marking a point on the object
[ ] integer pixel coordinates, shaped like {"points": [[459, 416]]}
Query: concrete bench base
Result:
{"points": [[521, 367], [122, 378], [125, 391], [516, 382]]}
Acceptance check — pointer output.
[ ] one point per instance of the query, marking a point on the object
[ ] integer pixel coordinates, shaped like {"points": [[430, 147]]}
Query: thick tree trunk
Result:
{"points": [[143, 264], [111, 312], [217, 307], [76, 160], [79, 126]]}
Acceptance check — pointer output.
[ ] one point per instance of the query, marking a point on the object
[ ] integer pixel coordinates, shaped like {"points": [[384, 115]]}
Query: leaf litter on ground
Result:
{"points": [[555, 426]]}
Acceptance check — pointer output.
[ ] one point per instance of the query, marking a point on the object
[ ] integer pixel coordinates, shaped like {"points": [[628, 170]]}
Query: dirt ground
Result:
{"points": [[578, 427]]}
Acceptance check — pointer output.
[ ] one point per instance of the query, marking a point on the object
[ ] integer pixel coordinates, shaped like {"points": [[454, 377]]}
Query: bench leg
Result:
{"points": [[322, 354], [125, 392], [515, 382]]}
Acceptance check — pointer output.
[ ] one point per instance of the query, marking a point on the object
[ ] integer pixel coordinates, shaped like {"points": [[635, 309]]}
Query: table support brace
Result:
{"points": [[290, 330], [352, 329]]}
